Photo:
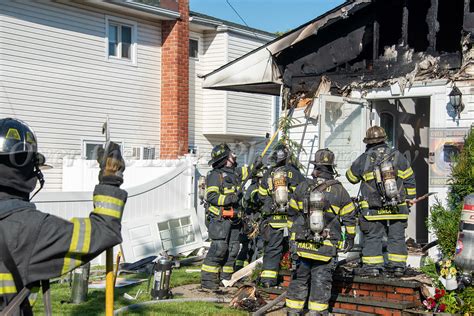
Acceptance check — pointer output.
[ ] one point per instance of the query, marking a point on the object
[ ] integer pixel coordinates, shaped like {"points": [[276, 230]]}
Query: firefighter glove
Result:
{"points": [[111, 164], [349, 243], [257, 164]]}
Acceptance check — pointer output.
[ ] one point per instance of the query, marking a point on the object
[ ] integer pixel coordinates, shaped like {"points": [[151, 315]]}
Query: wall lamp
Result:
{"points": [[455, 98]]}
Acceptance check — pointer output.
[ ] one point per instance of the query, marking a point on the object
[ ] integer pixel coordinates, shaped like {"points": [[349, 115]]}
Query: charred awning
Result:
{"points": [[261, 70]]}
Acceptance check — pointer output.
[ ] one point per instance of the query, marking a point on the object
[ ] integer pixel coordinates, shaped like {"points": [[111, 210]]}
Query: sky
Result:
{"points": [[268, 15]]}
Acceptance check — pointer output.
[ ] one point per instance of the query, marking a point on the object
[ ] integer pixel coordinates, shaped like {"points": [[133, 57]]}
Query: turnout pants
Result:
{"points": [[220, 259], [313, 276], [244, 253], [374, 231], [272, 253]]}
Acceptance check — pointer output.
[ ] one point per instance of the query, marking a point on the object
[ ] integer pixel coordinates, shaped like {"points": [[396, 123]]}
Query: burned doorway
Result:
{"points": [[406, 122]]}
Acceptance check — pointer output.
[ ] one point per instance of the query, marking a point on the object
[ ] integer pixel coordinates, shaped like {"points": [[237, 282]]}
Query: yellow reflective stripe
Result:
{"points": [[108, 205], [269, 274], [373, 260], [368, 176], [385, 217], [313, 256], [351, 230], [227, 269], [210, 269], [300, 205], [241, 263], [364, 204], [294, 304], [334, 208], [411, 191], [397, 258], [293, 236], [229, 190], [405, 173], [278, 225], [245, 172], [7, 284], [294, 204], [214, 210], [262, 191], [347, 209], [328, 243], [108, 199], [315, 306], [293, 188], [80, 244], [340, 244], [221, 200], [289, 223], [107, 212], [351, 177], [212, 189]]}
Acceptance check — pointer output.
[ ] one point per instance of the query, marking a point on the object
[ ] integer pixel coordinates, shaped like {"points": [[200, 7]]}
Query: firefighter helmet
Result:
{"points": [[279, 156], [374, 135], [219, 153], [324, 157]]}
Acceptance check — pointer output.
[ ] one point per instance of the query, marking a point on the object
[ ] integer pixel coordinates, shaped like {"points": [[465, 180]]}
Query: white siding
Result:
{"points": [[54, 75], [218, 116]]}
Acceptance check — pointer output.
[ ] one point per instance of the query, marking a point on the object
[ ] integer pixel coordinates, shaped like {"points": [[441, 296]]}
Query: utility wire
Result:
{"points": [[230, 5]]}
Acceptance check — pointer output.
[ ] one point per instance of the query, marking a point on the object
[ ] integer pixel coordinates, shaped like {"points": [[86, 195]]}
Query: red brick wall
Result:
{"points": [[175, 85]]}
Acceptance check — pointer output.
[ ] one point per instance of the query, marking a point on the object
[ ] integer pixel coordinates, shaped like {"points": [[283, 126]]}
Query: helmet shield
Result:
{"points": [[324, 157], [16, 137]]}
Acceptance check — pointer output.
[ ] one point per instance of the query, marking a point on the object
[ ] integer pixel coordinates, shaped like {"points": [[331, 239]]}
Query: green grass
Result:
{"points": [[95, 304]]}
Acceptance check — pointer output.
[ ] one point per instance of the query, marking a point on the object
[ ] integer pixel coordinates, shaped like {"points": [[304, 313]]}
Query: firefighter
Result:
{"points": [[388, 185], [251, 204], [275, 191], [223, 196], [321, 204], [36, 246]]}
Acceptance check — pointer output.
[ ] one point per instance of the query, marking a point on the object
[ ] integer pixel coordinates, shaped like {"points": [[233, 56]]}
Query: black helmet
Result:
{"points": [[279, 156], [324, 157], [374, 135], [219, 153], [19, 157]]}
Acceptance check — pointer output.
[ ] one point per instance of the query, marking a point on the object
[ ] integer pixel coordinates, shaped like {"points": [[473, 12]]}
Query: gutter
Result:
{"points": [[167, 14]]}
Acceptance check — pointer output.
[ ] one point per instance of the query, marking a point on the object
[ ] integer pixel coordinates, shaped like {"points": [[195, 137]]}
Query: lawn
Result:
{"points": [[61, 294]]}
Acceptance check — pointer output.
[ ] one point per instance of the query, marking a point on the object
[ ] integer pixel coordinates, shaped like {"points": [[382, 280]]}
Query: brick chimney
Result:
{"points": [[175, 84]]}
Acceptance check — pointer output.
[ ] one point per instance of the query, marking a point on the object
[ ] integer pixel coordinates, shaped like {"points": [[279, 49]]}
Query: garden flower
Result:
{"points": [[444, 272], [452, 271], [441, 307], [448, 263]]}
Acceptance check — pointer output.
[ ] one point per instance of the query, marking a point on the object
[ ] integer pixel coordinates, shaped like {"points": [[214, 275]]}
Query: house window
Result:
{"points": [[121, 40], [176, 232], [89, 149], [193, 48], [387, 121]]}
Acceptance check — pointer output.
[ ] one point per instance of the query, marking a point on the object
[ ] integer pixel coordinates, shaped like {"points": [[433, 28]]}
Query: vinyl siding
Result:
{"points": [[55, 76], [220, 116]]}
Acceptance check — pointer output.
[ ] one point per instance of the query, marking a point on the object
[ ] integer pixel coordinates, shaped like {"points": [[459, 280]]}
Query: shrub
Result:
{"points": [[445, 225]]}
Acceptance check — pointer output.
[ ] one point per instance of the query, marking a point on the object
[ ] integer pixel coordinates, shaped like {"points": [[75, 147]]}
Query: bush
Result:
{"points": [[445, 225]]}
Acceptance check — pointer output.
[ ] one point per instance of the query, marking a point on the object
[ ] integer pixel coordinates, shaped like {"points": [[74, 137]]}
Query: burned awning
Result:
{"points": [[260, 71]]}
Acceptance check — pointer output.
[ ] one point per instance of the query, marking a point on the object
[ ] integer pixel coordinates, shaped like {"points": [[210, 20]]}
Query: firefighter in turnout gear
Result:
{"points": [[388, 184], [275, 191], [251, 204], [36, 246], [223, 196], [321, 205]]}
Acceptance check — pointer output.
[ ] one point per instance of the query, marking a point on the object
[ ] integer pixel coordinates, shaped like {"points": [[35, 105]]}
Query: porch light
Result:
{"points": [[455, 98]]}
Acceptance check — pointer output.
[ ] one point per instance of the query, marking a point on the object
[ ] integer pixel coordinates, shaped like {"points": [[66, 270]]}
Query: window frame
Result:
{"points": [[393, 127], [112, 20], [86, 142], [198, 50]]}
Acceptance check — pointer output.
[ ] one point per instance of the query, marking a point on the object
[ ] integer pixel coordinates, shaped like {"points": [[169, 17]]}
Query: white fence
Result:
{"points": [[159, 215]]}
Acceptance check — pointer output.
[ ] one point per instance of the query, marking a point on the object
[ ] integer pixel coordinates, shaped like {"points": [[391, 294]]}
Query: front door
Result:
{"points": [[406, 122]]}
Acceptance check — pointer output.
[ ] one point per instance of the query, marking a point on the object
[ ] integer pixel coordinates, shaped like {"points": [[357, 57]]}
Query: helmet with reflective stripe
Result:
{"points": [[219, 153], [374, 135]]}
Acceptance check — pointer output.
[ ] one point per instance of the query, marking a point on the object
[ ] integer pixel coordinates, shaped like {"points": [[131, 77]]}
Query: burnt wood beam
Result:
{"points": [[405, 24], [433, 25], [376, 34]]}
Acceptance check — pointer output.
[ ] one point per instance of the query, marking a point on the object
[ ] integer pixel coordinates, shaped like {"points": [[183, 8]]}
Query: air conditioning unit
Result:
{"points": [[143, 153]]}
